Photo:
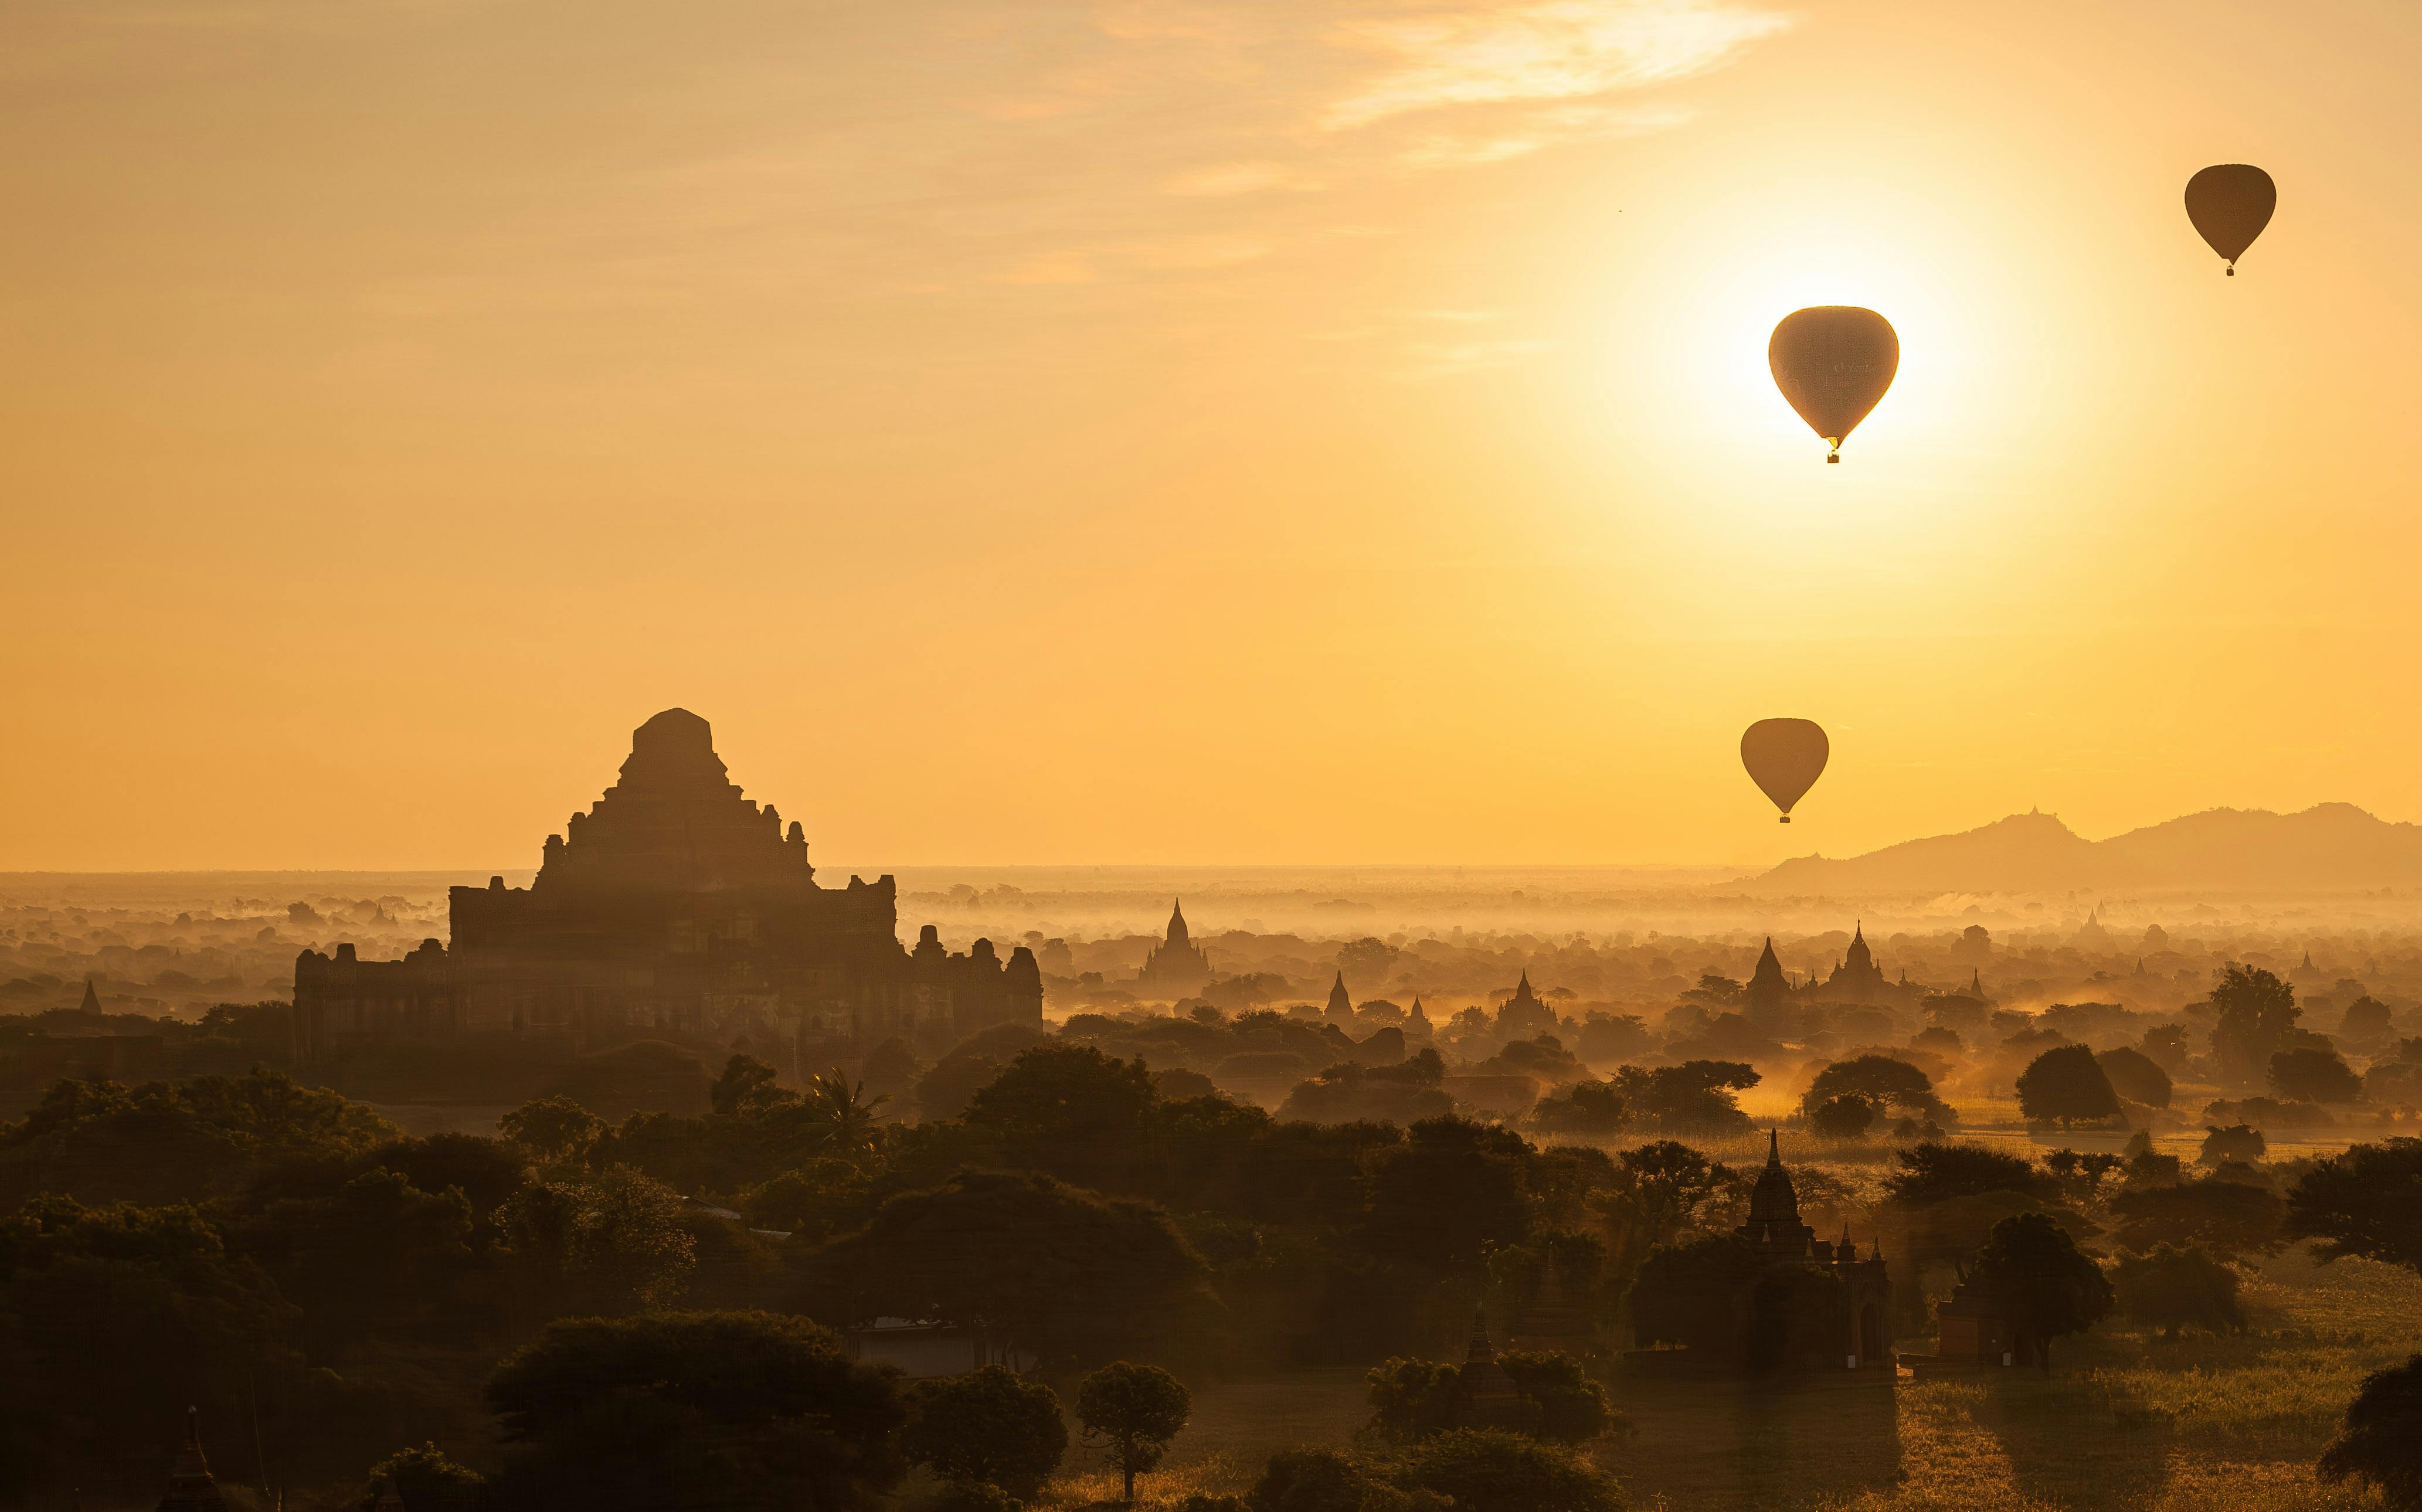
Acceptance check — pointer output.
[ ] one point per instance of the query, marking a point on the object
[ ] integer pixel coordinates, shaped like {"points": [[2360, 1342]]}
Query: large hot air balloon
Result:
{"points": [[1833, 363], [2230, 203], [1784, 757]]}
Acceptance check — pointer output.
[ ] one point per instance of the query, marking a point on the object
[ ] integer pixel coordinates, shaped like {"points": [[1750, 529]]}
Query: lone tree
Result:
{"points": [[2382, 1441], [2258, 1019], [990, 1427], [2173, 1288], [2308, 1075], [1132, 1411], [1882, 1080], [2365, 1200], [2046, 1286], [2067, 1085]]}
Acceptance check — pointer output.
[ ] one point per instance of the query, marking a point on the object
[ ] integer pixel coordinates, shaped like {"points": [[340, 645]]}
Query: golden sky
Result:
{"points": [[1156, 431]]}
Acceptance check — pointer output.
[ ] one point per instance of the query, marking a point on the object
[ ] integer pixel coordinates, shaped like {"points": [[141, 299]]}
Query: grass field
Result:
{"points": [[2124, 1421]]}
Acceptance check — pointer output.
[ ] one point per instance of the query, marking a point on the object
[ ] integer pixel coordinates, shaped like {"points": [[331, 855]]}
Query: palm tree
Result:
{"points": [[843, 1111]]}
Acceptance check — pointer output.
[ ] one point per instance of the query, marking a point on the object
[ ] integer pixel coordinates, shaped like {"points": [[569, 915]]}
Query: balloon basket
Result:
{"points": [[1834, 457], [2232, 272], [1785, 819]]}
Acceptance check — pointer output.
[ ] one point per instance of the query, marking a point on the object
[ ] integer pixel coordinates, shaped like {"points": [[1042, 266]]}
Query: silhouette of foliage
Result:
{"points": [[2172, 1288], [2044, 1284], [2365, 1200], [2066, 1085], [426, 1481], [1073, 1277], [2257, 1016], [2238, 1141], [1934, 1173], [2380, 1443], [681, 1410], [988, 1427], [1132, 1411], [2137, 1076], [2309, 1074]]}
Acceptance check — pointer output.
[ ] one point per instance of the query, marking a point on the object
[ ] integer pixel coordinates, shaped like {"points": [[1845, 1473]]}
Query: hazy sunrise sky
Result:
{"points": [[1147, 430]]}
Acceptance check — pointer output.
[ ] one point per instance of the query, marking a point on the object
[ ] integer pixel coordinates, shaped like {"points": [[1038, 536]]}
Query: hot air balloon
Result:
{"points": [[1834, 362], [2230, 203], [1784, 758]]}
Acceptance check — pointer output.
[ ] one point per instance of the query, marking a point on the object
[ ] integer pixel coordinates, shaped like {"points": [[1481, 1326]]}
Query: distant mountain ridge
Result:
{"points": [[2329, 847]]}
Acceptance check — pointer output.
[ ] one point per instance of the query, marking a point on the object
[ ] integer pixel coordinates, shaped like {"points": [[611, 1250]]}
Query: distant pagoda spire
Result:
{"points": [[91, 1004], [190, 1486], [1339, 1001]]}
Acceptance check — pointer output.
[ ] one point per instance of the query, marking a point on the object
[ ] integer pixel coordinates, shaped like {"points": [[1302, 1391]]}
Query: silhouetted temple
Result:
{"points": [[1856, 977], [190, 1486], [1176, 965], [1795, 1302], [674, 902], [1338, 1010], [1859, 1323], [1526, 1014]]}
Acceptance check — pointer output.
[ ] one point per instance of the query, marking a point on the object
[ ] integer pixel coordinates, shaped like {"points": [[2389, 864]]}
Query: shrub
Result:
{"points": [[990, 1427], [2173, 1288]]}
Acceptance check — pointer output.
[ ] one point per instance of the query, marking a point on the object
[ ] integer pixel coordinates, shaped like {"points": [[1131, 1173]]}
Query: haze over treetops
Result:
{"points": [[1155, 431]]}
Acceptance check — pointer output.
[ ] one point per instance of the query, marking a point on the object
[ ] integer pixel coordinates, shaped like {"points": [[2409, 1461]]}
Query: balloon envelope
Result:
{"points": [[1834, 362], [1784, 757], [2230, 203]]}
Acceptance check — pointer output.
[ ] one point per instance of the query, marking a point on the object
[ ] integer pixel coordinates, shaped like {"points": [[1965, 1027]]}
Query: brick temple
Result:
{"points": [[676, 903]]}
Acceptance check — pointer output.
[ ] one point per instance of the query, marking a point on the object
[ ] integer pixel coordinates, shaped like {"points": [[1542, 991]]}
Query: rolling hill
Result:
{"points": [[2332, 847]]}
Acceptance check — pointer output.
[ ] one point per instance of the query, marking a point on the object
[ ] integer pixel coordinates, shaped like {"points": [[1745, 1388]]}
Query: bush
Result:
{"points": [[2173, 1288], [2378, 1443], [2238, 1141], [426, 1481], [991, 1427], [1482, 1471], [1573, 1408], [973, 1496]]}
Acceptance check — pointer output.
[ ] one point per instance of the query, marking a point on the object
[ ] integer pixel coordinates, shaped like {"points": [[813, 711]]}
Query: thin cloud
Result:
{"points": [[1560, 49]]}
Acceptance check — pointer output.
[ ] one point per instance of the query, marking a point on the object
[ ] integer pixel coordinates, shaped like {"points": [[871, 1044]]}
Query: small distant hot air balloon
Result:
{"points": [[1834, 362], [2230, 203], [1784, 757]]}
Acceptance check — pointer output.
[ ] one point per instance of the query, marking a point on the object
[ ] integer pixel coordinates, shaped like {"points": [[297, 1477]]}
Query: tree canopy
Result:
{"points": [[693, 1411], [1075, 1277], [2365, 1201], [991, 1426], [1132, 1411], [2309, 1074], [2044, 1284], [2379, 1443], [2257, 1018], [2066, 1085]]}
